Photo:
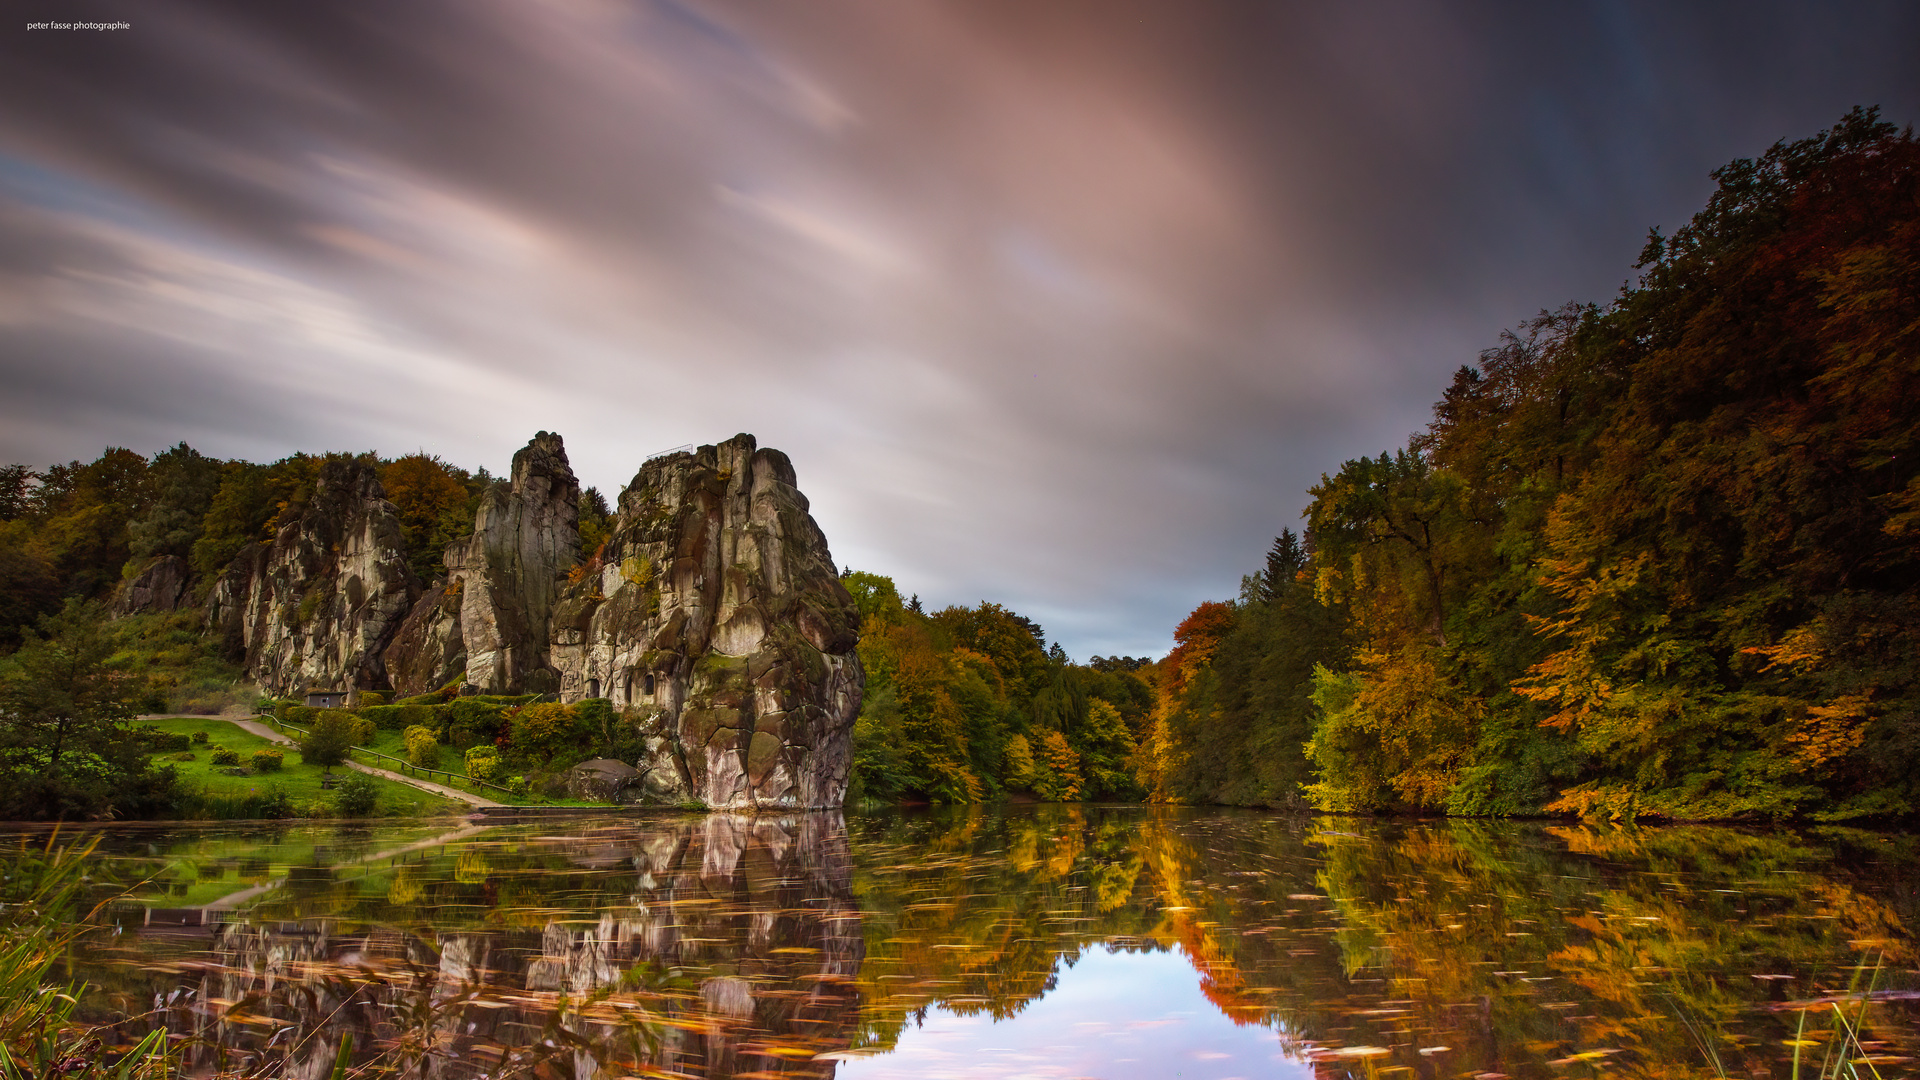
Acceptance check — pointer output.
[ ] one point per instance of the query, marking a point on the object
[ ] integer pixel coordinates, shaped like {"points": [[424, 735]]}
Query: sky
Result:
{"points": [[1062, 304]]}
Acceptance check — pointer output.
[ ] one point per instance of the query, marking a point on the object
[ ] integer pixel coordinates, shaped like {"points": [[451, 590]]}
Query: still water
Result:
{"points": [[1049, 941]]}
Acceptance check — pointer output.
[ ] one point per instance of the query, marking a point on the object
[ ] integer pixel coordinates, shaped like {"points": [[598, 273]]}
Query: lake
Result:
{"points": [[1037, 941]]}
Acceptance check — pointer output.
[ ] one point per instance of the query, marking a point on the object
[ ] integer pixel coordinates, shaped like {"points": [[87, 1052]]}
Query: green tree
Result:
{"points": [[28, 587], [16, 491], [67, 743], [596, 521], [184, 483], [81, 514], [329, 740]]}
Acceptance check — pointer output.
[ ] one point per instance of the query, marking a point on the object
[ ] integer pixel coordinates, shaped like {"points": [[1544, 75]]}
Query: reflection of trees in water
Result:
{"points": [[1512, 946], [751, 944], [756, 911]]}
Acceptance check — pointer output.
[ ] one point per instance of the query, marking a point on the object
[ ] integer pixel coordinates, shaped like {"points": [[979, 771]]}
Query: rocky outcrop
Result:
{"points": [[504, 579], [317, 607], [160, 586], [716, 612], [428, 650], [713, 617]]}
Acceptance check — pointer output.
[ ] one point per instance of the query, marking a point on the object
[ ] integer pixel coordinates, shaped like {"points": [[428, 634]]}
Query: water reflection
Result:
{"points": [[718, 946], [745, 947]]}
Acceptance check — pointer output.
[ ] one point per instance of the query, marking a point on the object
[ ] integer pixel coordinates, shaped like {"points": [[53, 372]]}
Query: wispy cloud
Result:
{"points": [[1062, 305]]}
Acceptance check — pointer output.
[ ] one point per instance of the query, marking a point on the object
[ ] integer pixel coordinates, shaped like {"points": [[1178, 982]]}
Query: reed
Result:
{"points": [[41, 916]]}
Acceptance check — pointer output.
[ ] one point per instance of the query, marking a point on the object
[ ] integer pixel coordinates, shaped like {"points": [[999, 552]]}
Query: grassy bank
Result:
{"points": [[447, 772], [292, 791]]}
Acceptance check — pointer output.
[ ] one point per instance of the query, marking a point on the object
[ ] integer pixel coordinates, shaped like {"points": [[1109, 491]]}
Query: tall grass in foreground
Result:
{"points": [[1844, 1050], [40, 917], [1842, 1056]]}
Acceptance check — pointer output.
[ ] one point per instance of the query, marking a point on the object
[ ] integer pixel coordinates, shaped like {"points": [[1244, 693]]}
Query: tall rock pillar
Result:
{"points": [[716, 609], [510, 572]]}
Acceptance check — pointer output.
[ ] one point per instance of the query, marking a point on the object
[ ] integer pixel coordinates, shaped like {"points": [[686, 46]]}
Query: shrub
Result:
{"points": [[355, 796], [184, 755], [540, 731], [200, 738], [363, 731], [483, 763], [437, 697], [370, 699], [274, 803], [402, 716], [265, 760], [302, 715], [225, 755], [423, 750], [472, 720], [163, 742]]}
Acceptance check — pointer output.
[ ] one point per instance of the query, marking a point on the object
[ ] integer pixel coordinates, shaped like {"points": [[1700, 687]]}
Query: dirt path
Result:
{"points": [[257, 728]]}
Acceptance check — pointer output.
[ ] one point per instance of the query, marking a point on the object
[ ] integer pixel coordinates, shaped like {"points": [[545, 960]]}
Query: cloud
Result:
{"points": [[1060, 305]]}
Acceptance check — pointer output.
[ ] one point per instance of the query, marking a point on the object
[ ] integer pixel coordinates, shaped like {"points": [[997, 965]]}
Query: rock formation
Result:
{"points": [[488, 626], [716, 609], [317, 606], [713, 616], [160, 586]]}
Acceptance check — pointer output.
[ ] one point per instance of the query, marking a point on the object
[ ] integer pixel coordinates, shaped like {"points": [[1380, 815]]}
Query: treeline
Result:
{"points": [[77, 530], [1656, 557], [71, 534], [969, 704]]}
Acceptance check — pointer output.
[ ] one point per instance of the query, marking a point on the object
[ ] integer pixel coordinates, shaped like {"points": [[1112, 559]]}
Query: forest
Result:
{"points": [[1656, 557], [1653, 557]]}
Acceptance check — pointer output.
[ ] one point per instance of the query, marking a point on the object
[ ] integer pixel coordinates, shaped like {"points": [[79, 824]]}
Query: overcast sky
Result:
{"points": [[1058, 304]]}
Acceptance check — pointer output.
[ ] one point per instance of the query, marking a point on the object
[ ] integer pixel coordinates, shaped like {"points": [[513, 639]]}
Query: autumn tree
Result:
{"points": [[434, 507]]}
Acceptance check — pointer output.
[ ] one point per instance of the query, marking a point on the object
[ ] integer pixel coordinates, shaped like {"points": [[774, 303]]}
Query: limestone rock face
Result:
{"points": [[161, 586], [487, 624], [716, 608], [714, 618], [510, 571], [428, 650], [316, 607]]}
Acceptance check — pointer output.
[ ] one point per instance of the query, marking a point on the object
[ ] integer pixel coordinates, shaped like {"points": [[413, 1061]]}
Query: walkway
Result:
{"points": [[257, 728]]}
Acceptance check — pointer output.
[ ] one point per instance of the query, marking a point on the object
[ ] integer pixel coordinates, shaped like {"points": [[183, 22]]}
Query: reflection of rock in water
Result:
{"points": [[740, 936]]}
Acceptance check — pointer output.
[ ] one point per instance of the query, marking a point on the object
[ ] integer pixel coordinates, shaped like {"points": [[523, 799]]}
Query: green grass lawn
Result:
{"points": [[301, 782], [394, 745]]}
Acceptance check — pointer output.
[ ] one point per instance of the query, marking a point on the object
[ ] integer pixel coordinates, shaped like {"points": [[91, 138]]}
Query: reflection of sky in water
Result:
{"points": [[1113, 1015]]}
